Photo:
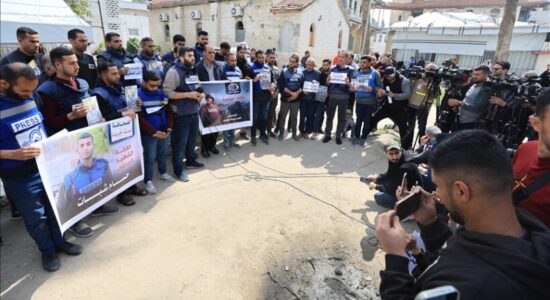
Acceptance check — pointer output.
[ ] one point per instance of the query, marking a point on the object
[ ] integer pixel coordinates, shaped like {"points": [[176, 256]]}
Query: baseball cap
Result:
{"points": [[392, 146], [389, 71]]}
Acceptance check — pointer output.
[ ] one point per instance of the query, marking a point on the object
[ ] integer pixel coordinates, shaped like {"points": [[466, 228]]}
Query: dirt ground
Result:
{"points": [[286, 221]]}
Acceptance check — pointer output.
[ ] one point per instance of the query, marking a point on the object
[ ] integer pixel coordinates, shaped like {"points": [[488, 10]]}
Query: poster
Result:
{"points": [[94, 114], [83, 169], [322, 93], [338, 78], [311, 86], [227, 105], [361, 83], [131, 98], [135, 71]]}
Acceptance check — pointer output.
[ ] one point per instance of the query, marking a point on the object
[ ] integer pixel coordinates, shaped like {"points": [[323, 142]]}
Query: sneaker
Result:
{"points": [[15, 215], [194, 164], [363, 143], [271, 134], [150, 187], [314, 136], [215, 150], [183, 177], [167, 177], [253, 141], [50, 262], [280, 137], [236, 145], [305, 136], [354, 142], [105, 210], [264, 139], [69, 249], [338, 141], [243, 135], [81, 229], [326, 139], [295, 137]]}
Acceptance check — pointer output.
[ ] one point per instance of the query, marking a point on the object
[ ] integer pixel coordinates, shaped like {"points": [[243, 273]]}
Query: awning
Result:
{"points": [[443, 46], [52, 19]]}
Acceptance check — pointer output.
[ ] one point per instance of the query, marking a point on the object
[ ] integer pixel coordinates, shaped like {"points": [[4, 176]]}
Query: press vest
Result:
{"points": [[154, 108], [189, 81], [232, 73], [119, 60], [66, 97], [371, 78], [335, 88], [20, 126], [292, 80], [115, 98]]}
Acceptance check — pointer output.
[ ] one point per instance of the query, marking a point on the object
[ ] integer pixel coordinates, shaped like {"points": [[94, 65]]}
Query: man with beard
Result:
{"points": [[532, 162], [20, 126], [321, 106], [290, 84], [245, 68], [147, 57], [116, 55], [275, 73], [221, 56], [231, 72], [169, 57], [27, 53], [498, 252], [366, 100], [200, 46], [86, 63], [180, 86], [308, 104], [261, 97]]}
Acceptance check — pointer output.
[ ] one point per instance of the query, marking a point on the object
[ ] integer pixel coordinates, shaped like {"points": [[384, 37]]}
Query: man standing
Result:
{"points": [[86, 63], [209, 70], [275, 73], [180, 86], [424, 91], [290, 84], [231, 72], [474, 104], [545, 77], [27, 53], [308, 102], [148, 58], [221, 56], [18, 169], [304, 59], [321, 106], [177, 41], [116, 55], [200, 46], [339, 82], [395, 96], [532, 162], [261, 96], [242, 63], [366, 100]]}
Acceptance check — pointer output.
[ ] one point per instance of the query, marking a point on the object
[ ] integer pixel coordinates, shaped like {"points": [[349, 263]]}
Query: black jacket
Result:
{"points": [[480, 266], [389, 181], [203, 73]]}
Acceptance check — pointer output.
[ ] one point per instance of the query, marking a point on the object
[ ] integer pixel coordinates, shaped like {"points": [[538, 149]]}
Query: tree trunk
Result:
{"points": [[365, 41], [506, 29]]}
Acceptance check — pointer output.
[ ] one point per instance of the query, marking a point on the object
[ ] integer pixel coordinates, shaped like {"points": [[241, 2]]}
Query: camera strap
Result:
{"points": [[523, 192]]}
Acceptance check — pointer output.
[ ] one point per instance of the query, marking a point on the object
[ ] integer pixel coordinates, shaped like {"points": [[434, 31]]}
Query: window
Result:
{"points": [[399, 18], [355, 7], [133, 31], [312, 35], [340, 40], [239, 32], [166, 33], [495, 13], [198, 28]]}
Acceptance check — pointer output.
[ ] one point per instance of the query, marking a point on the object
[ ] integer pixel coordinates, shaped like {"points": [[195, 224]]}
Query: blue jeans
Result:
{"points": [[154, 149], [228, 138], [184, 140], [319, 116], [385, 200], [307, 114], [30, 199], [364, 115], [260, 109]]}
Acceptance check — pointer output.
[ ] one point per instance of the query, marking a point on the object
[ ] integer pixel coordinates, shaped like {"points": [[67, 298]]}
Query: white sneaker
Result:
{"points": [[167, 177], [150, 187], [314, 136], [364, 143]]}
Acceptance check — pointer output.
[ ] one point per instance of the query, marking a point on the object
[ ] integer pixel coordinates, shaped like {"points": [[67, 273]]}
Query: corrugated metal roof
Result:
{"points": [[285, 5]]}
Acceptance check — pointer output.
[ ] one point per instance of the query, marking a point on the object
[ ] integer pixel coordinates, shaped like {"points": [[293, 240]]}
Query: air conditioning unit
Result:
{"points": [[163, 17], [237, 11], [196, 15]]}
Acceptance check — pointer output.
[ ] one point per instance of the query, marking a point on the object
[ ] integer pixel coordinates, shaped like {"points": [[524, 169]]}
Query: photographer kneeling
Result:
{"points": [[498, 253]]}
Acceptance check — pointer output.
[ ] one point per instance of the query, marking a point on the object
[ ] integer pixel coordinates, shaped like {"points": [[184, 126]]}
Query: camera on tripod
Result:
{"points": [[454, 76], [529, 89], [502, 86]]}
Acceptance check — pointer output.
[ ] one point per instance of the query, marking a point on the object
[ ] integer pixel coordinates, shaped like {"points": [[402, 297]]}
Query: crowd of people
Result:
{"points": [[465, 174]]}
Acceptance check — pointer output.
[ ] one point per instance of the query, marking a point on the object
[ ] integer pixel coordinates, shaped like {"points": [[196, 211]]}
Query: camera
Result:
{"points": [[415, 72], [454, 76], [529, 89]]}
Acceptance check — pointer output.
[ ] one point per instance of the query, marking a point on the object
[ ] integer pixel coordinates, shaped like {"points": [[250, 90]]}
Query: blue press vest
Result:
{"points": [[117, 99], [119, 62], [85, 180], [340, 88], [154, 100], [371, 77], [155, 66], [19, 119], [310, 76], [66, 96], [258, 69], [186, 106], [292, 79], [232, 73]]}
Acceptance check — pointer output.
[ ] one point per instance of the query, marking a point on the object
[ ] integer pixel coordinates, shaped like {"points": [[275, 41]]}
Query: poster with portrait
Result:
{"points": [[227, 105], [83, 169]]}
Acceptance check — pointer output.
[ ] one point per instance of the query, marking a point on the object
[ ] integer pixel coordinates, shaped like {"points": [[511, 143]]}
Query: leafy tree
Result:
{"points": [[80, 7], [132, 45]]}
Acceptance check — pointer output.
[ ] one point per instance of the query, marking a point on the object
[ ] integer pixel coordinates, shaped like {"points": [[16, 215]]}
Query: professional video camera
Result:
{"points": [[454, 80], [415, 72], [504, 88], [529, 89], [454, 75]]}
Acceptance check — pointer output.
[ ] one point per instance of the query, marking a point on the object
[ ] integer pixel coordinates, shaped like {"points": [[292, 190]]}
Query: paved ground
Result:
{"points": [[243, 228]]}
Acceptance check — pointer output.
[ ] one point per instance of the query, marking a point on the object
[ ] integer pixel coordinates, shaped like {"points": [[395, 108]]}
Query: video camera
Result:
{"points": [[500, 87], [454, 76], [529, 89]]}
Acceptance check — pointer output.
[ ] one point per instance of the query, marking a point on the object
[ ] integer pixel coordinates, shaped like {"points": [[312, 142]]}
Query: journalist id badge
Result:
{"points": [[193, 79], [31, 136]]}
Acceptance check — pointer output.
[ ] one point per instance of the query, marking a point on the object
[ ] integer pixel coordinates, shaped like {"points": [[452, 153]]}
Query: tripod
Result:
{"points": [[423, 111]]}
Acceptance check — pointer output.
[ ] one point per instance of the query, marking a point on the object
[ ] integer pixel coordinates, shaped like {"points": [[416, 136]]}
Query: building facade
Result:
{"points": [[290, 26]]}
